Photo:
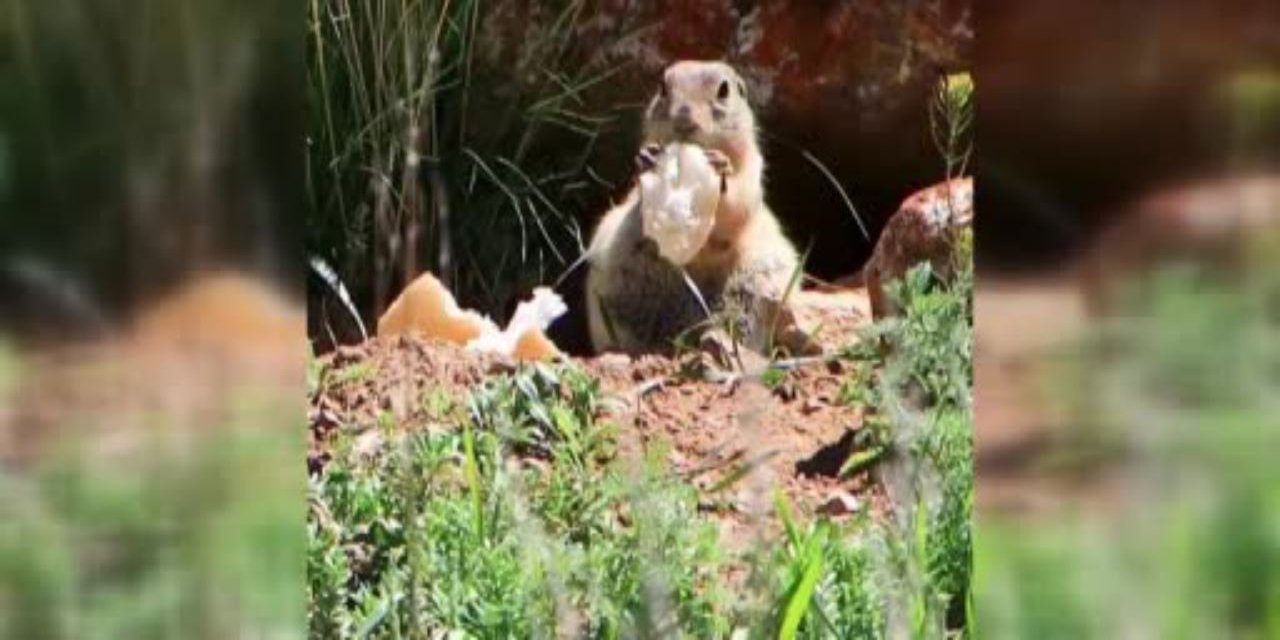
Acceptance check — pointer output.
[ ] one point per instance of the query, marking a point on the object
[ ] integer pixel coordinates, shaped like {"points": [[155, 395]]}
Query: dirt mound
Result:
{"points": [[737, 438]]}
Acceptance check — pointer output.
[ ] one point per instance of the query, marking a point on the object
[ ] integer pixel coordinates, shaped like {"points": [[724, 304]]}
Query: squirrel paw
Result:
{"points": [[722, 166], [647, 158], [719, 161]]}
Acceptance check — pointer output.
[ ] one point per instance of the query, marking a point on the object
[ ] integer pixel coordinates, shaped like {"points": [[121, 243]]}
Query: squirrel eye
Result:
{"points": [[723, 93]]}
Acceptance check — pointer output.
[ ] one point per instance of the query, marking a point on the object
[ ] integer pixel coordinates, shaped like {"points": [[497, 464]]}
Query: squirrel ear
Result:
{"points": [[738, 82]]}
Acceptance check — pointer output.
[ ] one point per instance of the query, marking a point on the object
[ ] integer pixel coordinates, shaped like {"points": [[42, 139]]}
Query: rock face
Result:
{"points": [[848, 65], [833, 79], [924, 228], [1085, 105]]}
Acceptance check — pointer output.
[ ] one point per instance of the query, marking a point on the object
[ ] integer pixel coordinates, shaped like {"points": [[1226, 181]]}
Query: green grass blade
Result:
{"points": [[471, 469], [375, 618], [843, 196], [741, 471], [861, 460], [802, 595], [783, 508]]}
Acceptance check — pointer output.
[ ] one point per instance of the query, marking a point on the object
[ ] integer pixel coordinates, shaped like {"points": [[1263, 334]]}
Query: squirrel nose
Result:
{"points": [[683, 123]]}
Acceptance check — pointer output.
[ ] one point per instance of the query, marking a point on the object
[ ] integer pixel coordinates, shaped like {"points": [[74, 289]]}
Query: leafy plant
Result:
{"points": [[197, 532], [951, 115], [470, 531], [913, 372]]}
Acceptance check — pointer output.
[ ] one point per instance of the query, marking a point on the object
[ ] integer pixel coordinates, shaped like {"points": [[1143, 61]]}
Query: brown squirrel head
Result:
{"points": [[703, 103]]}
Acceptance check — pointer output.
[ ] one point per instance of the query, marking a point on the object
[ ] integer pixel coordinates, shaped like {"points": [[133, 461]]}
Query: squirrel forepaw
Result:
{"points": [[722, 166], [719, 161], [647, 158]]}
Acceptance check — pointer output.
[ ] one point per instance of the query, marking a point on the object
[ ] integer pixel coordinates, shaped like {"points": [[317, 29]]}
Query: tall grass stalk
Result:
{"points": [[433, 147]]}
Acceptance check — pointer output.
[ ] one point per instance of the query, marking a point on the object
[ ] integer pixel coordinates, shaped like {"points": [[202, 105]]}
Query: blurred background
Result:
{"points": [[151, 326], [1126, 362]]}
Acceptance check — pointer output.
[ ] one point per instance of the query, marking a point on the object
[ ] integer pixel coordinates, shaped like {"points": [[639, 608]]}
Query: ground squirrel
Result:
{"points": [[637, 302]]}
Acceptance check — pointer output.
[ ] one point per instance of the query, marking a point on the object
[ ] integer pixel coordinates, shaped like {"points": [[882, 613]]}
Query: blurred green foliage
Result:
{"points": [[142, 140], [1182, 392], [192, 535]]}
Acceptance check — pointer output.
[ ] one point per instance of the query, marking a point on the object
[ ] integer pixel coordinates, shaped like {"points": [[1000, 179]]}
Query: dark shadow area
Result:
{"points": [[1084, 106], [828, 460]]}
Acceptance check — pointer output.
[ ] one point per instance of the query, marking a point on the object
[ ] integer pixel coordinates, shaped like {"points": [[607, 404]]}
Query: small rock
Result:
{"points": [[324, 419], [840, 504], [614, 362], [396, 401], [676, 458], [367, 444], [535, 465], [316, 461], [811, 405], [786, 390], [346, 354]]}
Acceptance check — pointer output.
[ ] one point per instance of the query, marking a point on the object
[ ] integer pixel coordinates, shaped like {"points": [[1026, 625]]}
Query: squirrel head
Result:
{"points": [[704, 103]]}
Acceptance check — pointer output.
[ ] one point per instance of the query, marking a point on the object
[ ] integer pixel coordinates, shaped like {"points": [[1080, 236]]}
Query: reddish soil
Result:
{"points": [[1026, 462]]}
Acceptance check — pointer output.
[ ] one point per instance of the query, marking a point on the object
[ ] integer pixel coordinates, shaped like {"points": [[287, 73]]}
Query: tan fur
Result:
{"points": [[636, 301]]}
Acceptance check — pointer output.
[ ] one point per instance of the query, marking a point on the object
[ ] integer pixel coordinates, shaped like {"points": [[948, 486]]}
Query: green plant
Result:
{"points": [[522, 519], [913, 372], [517, 522], [518, 517], [194, 535], [425, 152], [820, 580], [951, 114]]}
